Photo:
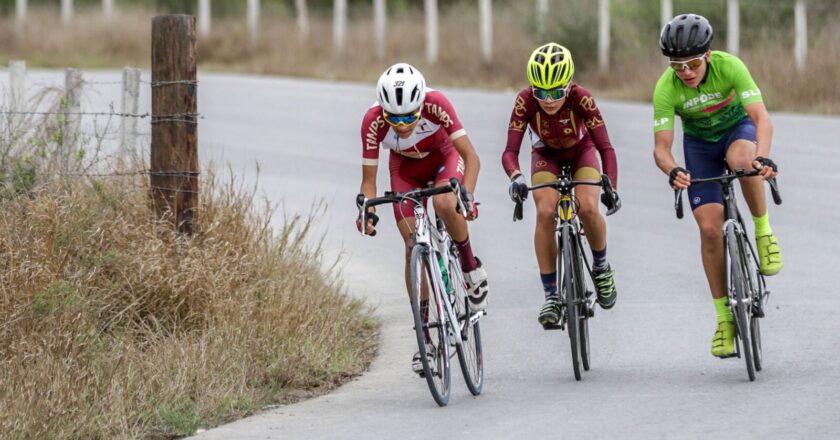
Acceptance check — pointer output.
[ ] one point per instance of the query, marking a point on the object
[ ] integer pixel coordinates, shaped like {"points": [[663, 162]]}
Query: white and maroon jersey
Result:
{"points": [[438, 127]]}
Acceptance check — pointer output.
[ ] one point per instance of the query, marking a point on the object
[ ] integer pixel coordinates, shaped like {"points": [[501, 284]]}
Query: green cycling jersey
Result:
{"points": [[709, 110]]}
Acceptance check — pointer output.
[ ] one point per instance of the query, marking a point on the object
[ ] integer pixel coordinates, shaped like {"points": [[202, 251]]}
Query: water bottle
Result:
{"points": [[445, 275]]}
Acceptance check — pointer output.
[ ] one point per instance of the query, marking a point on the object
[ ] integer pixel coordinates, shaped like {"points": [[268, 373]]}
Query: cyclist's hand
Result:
{"points": [[518, 190], [470, 205], [767, 169], [370, 228], [613, 204], [679, 178]]}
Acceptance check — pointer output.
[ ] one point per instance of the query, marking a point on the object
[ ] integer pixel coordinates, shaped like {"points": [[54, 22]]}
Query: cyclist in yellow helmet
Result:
{"points": [[566, 128]]}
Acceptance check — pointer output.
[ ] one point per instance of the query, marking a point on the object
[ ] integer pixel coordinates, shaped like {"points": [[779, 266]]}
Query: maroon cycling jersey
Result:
{"points": [[577, 125], [438, 127]]}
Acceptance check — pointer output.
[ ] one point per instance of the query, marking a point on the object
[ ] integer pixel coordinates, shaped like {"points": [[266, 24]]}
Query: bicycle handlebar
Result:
{"points": [[728, 178], [363, 203], [564, 183]]}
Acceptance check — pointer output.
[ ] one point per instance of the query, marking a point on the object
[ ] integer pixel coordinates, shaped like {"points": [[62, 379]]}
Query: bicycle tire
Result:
{"points": [[438, 376], [755, 331], [583, 313], [470, 352], [738, 277], [572, 322]]}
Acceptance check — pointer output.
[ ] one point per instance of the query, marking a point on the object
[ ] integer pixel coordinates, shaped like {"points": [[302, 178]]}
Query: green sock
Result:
{"points": [[762, 225], [723, 312]]}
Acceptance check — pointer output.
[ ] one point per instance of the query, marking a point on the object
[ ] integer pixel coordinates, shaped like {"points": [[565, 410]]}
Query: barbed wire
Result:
{"points": [[156, 119]]}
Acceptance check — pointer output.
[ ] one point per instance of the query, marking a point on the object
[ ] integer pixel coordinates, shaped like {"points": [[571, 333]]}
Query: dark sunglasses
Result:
{"points": [[397, 120], [554, 94]]}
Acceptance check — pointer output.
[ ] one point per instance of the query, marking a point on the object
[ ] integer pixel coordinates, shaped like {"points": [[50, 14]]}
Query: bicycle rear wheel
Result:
{"points": [[743, 311], [569, 289], [470, 354], [430, 325]]}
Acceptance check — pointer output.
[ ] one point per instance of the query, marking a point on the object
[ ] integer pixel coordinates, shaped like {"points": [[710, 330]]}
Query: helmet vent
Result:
{"points": [[399, 92]]}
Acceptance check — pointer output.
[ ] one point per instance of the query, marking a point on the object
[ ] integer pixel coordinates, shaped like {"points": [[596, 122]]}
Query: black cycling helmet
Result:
{"points": [[686, 35]]}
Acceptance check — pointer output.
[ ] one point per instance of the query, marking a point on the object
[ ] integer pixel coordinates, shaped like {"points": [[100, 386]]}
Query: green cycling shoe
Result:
{"points": [[769, 254], [723, 344]]}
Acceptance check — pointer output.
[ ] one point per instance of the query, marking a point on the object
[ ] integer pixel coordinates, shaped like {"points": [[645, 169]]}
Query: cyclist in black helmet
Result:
{"points": [[725, 123]]}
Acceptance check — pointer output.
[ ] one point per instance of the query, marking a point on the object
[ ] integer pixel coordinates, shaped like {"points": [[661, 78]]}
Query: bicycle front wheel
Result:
{"points": [[569, 289], [743, 311], [470, 354], [430, 325], [583, 307]]}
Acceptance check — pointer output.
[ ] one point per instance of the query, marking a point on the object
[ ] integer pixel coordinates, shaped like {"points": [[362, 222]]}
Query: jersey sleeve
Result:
{"points": [[520, 116], [373, 130], [663, 106], [597, 129], [439, 109], [743, 82]]}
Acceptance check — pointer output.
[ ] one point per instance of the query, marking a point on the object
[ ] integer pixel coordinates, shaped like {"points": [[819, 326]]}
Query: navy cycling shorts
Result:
{"points": [[708, 159]]}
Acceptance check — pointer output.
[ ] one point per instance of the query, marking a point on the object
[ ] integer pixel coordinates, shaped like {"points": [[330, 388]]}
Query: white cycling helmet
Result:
{"points": [[401, 89]]}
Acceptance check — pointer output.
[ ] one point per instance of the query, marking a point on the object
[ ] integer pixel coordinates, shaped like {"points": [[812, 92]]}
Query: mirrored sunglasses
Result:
{"points": [[555, 94], [692, 64], [397, 120]]}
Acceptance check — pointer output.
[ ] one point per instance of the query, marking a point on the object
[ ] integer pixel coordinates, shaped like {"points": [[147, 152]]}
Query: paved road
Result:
{"points": [[652, 375]]}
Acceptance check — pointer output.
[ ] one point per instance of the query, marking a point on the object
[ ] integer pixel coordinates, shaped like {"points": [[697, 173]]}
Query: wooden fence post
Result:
{"points": [[66, 12], [174, 149], [603, 34], [130, 106], [339, 24], [379, 27], [801, 29], [485, 12], [20, 12], [253, 21], [733, 27], [666, 10], [542, 19], [108, 9], [72, 107], [302, 19], [204, 17], [431, 8], [17, 84]]}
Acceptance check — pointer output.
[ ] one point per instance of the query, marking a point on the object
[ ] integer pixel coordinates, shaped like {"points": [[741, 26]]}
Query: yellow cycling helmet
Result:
{"points": [[550, 67]]}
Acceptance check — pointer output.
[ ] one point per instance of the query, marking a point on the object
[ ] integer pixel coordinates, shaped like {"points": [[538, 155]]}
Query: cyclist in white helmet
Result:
{"points": [[428, 145]]}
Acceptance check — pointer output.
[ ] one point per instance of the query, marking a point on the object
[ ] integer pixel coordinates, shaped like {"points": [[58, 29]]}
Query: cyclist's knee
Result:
{"points": [[444, 204], [710, 232], [545, 213], [740, 155], [588, 211]]}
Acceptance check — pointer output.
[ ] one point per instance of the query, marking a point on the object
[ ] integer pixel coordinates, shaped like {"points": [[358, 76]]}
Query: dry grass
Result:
{"points": [[114, 326], [280, 51]]}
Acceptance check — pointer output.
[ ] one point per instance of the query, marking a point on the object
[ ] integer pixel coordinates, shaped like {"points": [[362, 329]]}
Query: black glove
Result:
{"points": [[767, 162], [672, 176], [469, 202], [613, 203], [518, 190]]}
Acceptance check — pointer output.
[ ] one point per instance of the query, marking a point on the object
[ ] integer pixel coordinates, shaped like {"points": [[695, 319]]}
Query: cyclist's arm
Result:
{"points": [[368, 187], [519, 117], [663, 141], [763, 127], [471, 162], [594, 121]]}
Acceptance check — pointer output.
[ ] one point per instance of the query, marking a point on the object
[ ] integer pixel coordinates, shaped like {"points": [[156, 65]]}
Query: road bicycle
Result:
{"points": [[746, 290], [575, 287], [438, 294]]}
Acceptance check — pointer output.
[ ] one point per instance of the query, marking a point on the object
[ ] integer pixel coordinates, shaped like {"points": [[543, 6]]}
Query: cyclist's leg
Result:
{"points": [[545, 169], [448, 165], [741, 153], [586, 167], [705, 159]]}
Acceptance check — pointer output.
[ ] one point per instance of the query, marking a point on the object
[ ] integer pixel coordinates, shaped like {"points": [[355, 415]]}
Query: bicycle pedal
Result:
{"points": [[590, 312], [729, 356], [553, 327]]}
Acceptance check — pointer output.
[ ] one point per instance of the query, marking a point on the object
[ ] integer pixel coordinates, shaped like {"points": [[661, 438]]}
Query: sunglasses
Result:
{"points": [[554, 94], [692, 64], [397, 120]]}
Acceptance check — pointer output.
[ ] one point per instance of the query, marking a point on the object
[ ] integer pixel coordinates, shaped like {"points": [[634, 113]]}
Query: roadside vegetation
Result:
{"points": [[112, 325], [767, 40]]}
